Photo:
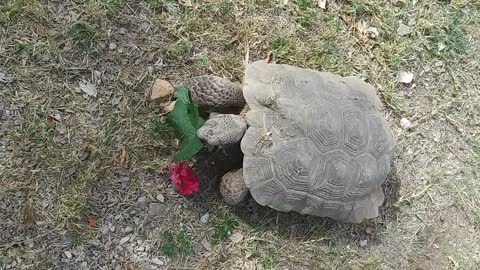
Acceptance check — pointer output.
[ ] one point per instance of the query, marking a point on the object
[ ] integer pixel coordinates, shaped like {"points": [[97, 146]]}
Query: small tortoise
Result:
{"points": [[316, 143]]}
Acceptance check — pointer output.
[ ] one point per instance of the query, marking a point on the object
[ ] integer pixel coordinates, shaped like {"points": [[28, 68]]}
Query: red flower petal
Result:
{"points": [[183, 178]]}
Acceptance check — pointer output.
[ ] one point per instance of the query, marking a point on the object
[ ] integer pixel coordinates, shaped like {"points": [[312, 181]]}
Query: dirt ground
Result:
{"points": [[84, 179]]}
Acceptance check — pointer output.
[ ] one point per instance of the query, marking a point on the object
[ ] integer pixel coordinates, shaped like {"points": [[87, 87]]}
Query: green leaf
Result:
{"points": [[195, 117], [186, 120], [182, 94], [188, 148]]}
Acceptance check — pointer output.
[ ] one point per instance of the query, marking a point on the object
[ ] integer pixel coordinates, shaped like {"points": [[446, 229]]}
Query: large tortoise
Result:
{"points": [[316, 143]]}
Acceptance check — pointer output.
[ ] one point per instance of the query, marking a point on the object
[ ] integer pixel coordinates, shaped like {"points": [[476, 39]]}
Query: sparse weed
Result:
{"points": [[82, 34], [168, 244], [105, 136], [112, 7], [184, 244], [171, 245], [448, 39], [224, 227], [161, 130], [18, 8], [270, 260]]}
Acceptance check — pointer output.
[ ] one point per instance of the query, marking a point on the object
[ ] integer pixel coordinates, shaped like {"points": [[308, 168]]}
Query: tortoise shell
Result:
{"points": [[317, 143]]}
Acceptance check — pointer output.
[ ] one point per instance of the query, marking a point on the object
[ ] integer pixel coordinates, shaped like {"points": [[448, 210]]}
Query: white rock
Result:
{"points": [[204, 219], [68, 254], [405, 77], [122, 31], [111, 228], [372, 33], [363, 243], [405, 123], [236, 237], [118, 217], [128, 229], [124, 240], [160, 198], [142, 199], [157, 261], [136, 220], [112, 46], [404, 30]]}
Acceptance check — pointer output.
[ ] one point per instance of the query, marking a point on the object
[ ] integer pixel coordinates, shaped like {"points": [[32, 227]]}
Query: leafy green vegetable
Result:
{"points": [[182, 94], [186, 120]]}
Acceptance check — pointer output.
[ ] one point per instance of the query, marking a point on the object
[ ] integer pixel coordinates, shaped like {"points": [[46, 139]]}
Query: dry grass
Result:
{"points": [[68, 167]]}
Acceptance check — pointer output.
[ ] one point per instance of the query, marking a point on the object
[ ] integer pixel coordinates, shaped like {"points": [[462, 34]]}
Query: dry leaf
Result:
{"points": [[206, 244], [269, 57], [149, 57], [88, 152], [236, 237], [92, 222], [28, 214], [361, 26], [161, 90], [344, 19], [186, 3], [88, 88], [322, 4], [123, 157], [169, 106]]}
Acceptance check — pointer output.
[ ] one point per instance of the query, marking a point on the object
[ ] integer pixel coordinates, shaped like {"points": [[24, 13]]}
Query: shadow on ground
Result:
{"points": [[291, 225]]}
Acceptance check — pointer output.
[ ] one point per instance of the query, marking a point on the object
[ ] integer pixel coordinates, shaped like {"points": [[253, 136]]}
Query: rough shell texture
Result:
{"points": [[222, 129], [233, 188], [215, 93], [317, 143]]}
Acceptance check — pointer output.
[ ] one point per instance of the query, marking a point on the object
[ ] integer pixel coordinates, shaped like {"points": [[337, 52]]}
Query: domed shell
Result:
{"points": [[317, 143]]}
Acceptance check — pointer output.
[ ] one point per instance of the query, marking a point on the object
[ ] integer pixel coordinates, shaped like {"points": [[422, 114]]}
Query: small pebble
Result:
{"points": [[157, 261], [122, 31], [372, 33], [160, 198], [111, 228], [128, 229], [405, 123], [136, 220], [204, 219], [404, 30], [363, 243], [405, 77], [68, 254], [124, 240], [118, 217], [112, 46], [142, 199]]}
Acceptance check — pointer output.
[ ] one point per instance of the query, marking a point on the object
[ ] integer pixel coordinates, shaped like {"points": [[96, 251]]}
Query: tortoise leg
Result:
{"points": [[233, 188]]}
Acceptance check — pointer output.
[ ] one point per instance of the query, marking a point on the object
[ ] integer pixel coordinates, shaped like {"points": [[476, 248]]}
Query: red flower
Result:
{"points": [[184, 179]]}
